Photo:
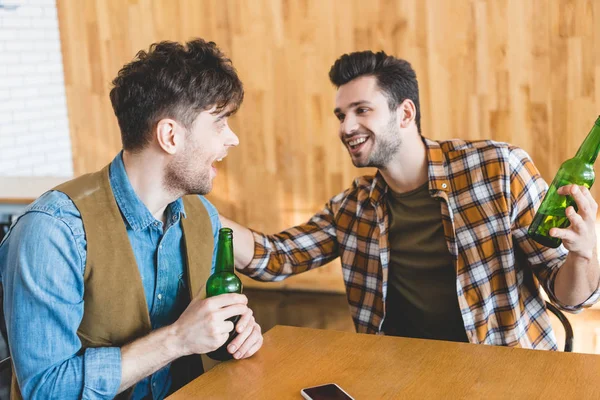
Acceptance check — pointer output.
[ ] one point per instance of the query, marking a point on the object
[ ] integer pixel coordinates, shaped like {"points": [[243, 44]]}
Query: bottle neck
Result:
{"points": [[588, 151], [225, 261]]}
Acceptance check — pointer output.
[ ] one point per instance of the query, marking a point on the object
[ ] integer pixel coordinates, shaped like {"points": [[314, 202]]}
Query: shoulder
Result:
{"points": [[475, 146], [50, 228], [210, 208], [482, 152], [53, 206], [361, 186], [356, 195], [213, 215]]}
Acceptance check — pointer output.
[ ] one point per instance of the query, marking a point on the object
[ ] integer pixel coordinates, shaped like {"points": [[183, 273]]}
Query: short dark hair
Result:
{"points": [[395, 76], [172, 80]]}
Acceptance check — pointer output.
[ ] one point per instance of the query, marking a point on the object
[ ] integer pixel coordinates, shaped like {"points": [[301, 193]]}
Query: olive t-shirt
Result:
{"points": [[421, 300]]}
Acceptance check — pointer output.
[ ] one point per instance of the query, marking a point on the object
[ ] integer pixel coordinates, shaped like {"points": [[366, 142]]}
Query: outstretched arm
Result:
{"points": [[243, 243], [293, 251]]}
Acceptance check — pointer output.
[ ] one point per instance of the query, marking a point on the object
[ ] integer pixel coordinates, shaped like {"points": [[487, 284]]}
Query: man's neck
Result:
{"points": [[408, 169], [146, 174]]}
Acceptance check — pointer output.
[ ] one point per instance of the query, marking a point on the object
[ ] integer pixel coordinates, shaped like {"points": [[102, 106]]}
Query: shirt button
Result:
{"points": [[160, 246], [444, 186], [159, 296]]}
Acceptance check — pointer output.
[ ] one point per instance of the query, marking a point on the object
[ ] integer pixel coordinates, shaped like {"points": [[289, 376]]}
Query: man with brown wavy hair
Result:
{"points": [[104, 275]]}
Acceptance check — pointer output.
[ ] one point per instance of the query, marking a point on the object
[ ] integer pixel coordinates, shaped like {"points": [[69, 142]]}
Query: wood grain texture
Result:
{"points": [[380, 367], [522, 71]]}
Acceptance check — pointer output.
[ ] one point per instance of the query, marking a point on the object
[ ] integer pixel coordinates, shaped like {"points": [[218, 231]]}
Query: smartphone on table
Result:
{"points": [[330, 391]]}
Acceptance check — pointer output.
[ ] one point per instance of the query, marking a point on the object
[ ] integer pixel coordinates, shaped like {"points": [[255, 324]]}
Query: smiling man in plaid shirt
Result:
{"points": [[435, 244]]}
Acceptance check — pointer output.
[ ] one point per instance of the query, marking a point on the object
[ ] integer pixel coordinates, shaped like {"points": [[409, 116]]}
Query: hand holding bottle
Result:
{"points": [[204, 326], [579, 171], [249, 339], [580, 236]]}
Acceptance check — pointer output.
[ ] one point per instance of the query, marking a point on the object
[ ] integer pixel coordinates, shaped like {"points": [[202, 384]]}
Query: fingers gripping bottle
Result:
{"points": [[578, 170], [224, 280]]}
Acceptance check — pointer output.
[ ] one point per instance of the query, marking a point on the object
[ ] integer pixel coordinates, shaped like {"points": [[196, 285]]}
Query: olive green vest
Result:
{"points": [[115, 309]]}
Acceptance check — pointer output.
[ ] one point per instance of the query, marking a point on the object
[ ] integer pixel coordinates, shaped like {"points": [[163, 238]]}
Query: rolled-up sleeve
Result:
{"points": [[42, 271], [102, 372], [590, 301]]}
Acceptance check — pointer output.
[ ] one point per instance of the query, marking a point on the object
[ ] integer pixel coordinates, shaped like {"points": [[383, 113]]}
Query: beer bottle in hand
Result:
{"points": [[222, 281], [578, 170]]}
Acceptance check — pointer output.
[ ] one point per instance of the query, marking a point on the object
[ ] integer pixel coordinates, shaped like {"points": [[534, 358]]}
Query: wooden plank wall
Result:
{"points": [[523, 71]]}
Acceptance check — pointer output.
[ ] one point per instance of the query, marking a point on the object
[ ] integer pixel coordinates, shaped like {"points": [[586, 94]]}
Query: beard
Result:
{"points": [[182, 177], [385, 146]]}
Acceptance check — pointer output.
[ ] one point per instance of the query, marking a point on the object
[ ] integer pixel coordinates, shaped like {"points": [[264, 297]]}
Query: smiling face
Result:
{"points": [[368, 128], [206, 142]]}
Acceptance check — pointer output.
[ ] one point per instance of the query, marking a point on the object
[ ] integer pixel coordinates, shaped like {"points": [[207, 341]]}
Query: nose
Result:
{"points": [[349, 125], [233, 139]]}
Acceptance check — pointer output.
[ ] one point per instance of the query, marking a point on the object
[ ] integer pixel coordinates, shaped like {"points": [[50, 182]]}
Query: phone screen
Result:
{"points": [[326, 392]]}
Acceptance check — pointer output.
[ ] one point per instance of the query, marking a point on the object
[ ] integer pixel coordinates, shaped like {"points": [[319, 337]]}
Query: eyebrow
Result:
{"points": [[353, 104], [224, 115]]}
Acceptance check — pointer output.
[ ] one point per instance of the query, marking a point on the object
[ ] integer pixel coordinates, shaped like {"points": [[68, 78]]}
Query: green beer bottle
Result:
{"points": [[578, 170], [222, 281]]}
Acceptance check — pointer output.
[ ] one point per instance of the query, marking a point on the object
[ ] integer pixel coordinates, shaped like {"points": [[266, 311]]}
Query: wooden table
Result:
{"points": [[382, 367]]}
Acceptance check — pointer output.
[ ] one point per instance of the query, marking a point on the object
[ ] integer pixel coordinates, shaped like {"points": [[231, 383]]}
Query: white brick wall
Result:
{"points": [[34, 129]]}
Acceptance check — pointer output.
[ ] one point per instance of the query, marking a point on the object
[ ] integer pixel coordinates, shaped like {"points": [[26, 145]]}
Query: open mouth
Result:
{"points": [[356, 145], [214, 164]]}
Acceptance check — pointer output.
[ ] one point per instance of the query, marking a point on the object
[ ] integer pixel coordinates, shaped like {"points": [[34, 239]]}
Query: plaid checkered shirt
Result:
{"points": [[488, 193]]}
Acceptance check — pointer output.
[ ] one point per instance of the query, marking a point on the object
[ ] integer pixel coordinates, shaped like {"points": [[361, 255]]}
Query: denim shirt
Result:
{"points": [[42, 262]]}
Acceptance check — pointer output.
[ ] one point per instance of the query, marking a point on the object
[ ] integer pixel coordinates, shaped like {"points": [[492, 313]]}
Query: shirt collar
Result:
{"points": [[436, 169], [134, 211]]}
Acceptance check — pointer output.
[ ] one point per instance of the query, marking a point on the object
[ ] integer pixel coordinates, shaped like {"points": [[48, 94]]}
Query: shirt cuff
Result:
{"points": [[102, 372], [593, 299]]}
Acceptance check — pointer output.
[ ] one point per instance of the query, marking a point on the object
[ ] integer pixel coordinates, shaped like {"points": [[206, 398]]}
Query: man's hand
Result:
{"points": [[578, 277], [249, 338], [203, 326], [580, 237]]}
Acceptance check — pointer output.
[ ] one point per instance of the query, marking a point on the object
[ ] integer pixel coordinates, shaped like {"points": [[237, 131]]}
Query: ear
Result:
{"points": [[167, 135], [406, 113]]}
